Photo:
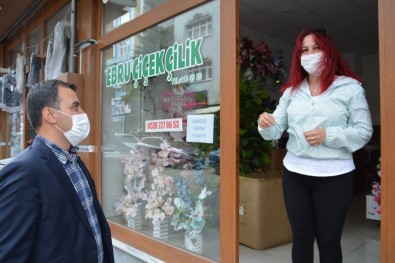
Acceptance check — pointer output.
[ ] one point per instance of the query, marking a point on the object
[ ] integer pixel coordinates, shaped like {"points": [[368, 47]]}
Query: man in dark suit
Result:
{"points": [[49, 211]]}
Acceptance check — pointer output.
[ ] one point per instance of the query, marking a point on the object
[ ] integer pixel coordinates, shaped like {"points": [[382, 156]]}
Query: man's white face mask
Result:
{"points": [[311, 63], [80, 129]]}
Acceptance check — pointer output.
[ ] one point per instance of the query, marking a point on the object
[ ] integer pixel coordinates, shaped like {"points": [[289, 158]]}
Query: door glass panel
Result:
{"points": [[160, 131]]}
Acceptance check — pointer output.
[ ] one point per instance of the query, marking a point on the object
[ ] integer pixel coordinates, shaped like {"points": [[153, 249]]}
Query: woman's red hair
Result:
{"points": [[333, 62]]}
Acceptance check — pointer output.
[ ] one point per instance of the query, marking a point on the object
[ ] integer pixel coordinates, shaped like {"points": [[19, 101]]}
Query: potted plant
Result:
{"points": [[258, 65], [259, 190], [253, 149]]}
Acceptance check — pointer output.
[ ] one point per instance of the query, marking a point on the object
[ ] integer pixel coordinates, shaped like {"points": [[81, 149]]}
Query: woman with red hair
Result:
{"points": [[324, 110]]}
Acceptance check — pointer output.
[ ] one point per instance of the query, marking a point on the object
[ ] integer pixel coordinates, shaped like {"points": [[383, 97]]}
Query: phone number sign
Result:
{"points": [[164, 125]]}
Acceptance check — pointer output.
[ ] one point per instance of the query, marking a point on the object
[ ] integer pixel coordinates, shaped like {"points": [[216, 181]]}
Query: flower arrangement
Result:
{"points": [[260, 62], [189, 204], [159, 198], [134, 182]]}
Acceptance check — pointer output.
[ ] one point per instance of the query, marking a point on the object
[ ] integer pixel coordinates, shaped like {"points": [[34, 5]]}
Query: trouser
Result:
{"points": [[317, 208]]}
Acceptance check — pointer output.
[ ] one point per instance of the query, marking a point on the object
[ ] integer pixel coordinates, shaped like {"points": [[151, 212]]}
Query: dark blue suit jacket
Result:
{"points": [[41, 216]]}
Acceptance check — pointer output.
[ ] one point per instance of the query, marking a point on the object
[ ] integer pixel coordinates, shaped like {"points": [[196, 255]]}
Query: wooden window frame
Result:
{"points": [[386, 10]]}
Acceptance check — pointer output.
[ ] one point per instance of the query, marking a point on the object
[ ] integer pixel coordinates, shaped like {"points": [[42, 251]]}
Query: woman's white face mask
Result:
{"points": [[80, 129], [311, 63]]}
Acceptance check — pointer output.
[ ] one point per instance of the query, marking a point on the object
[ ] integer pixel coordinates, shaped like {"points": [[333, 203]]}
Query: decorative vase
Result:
{"points": [[193, 241], [161, 229], [136, 222]]}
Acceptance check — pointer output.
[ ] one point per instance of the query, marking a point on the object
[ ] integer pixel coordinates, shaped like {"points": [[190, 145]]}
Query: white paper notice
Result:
{"points": [[200, 128]]}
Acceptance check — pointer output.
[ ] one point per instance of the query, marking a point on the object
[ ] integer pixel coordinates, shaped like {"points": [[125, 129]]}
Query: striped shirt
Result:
{"points": [[81, 186]]}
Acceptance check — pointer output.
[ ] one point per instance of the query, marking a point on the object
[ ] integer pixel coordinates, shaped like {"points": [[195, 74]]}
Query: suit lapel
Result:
{"points": [[60, 174]]}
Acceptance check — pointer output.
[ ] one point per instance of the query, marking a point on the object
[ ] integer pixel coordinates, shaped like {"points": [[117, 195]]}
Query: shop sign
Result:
{"points": [[174, 58]]}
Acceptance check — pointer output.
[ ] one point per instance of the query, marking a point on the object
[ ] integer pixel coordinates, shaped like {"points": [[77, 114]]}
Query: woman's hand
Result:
{"points": [[266, 120], [315, 137]]}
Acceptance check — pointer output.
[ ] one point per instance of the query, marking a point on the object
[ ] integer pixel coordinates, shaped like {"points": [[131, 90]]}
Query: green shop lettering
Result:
{"points": [[176, 57]]}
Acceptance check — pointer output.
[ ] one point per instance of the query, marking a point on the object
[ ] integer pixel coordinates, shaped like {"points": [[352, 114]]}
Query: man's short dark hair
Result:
{"points": [[41, 95]]}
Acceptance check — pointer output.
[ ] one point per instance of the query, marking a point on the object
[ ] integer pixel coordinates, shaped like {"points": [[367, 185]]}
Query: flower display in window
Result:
{"points": [[134, 183], [159, 197], [189, 203]]}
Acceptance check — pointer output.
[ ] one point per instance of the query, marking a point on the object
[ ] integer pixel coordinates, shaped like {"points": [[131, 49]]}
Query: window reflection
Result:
{"points": [[119, 12]]}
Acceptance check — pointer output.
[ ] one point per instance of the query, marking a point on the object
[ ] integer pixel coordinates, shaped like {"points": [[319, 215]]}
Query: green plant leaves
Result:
{"points": [[254, 100]]}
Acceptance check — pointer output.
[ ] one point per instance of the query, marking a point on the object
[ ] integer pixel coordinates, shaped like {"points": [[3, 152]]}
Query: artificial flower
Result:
{"points": [[134, 183], [260, 62], [159, 200]]}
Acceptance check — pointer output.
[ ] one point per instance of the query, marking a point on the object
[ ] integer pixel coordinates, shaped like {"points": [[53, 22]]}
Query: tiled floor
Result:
{"points": [[360, 242]]}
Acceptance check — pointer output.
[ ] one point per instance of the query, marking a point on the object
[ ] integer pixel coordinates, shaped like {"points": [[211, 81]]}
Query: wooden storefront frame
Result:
{"points": [[386, 11], [229, 131], [229, 247]]}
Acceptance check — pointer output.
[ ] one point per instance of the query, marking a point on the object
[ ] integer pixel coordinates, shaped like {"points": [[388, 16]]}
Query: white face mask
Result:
{"points": [[80, 129], [311, 63]]}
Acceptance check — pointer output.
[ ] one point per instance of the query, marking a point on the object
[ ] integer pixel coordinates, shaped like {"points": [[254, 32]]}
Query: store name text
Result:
{"points": [[176, 57]]}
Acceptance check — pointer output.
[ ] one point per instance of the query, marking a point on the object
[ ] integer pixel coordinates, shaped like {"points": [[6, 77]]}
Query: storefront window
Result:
{"points": [[118, 12], [160, 131], [12, 103]]}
